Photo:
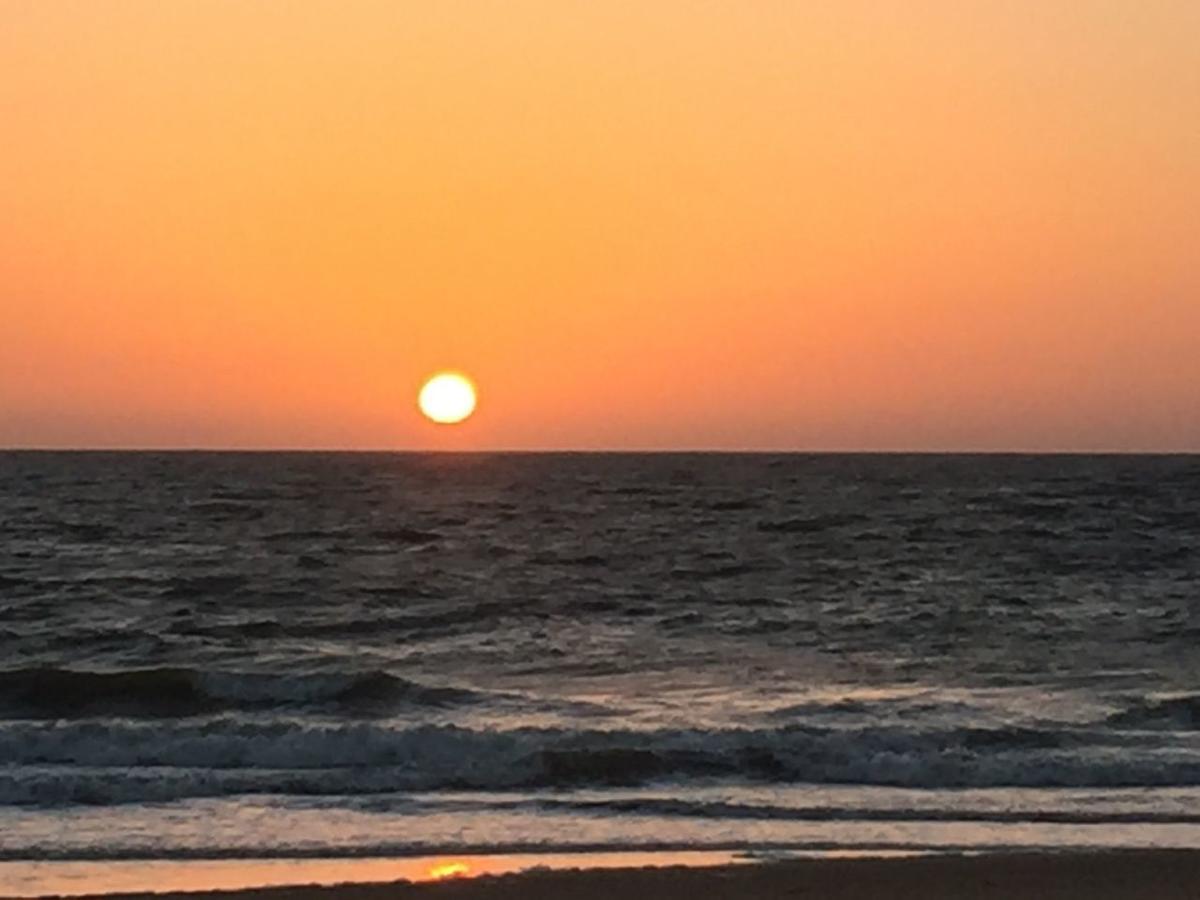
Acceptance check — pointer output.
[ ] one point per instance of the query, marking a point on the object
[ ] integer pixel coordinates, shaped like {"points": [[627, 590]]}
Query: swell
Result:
{"points": [[60, 693]]}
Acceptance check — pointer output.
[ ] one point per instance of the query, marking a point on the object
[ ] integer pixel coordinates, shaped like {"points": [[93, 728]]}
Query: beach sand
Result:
{"points": [[1158, 874]]}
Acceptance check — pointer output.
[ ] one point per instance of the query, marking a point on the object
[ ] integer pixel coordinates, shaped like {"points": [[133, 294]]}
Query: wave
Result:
{"points": [[55, 693], [1175, 713], [701, 809], [218, 584], [810, 524], [348, 626], [102, 762], [406, 536], [227, 508]]}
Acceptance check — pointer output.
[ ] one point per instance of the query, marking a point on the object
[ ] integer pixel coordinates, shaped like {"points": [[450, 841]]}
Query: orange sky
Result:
{"points": [[900, 224]]}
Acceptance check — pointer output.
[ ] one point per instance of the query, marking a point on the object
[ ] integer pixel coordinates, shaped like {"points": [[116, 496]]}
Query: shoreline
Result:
{"points": [[1068, 875]]}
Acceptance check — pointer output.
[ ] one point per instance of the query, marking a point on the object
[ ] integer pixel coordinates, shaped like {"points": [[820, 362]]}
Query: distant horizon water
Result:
{"points": [[613, 451]]}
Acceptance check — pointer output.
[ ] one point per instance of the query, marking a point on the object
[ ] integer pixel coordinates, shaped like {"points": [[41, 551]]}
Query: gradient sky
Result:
{"points": [[900, 224]]}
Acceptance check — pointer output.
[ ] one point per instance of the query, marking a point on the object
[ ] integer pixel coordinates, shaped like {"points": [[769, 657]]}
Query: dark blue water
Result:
{"points": [[292, 654]]}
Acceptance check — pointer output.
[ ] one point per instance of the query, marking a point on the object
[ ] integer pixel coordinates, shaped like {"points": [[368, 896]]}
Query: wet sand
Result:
{"points": [[1158, 874]]}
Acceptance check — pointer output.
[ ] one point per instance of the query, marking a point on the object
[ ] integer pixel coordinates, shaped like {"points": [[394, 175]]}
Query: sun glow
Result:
{"points": [[447, 398]]}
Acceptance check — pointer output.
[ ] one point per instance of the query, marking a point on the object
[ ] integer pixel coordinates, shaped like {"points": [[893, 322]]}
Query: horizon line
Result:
{"points": [[612, 451]]}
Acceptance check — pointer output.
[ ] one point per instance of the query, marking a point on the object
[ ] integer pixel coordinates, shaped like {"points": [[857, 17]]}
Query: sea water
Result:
{"points": [[214, 656]]}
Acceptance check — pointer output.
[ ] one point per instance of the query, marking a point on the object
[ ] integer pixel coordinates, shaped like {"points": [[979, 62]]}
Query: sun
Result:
{"points": [[447, 398]]}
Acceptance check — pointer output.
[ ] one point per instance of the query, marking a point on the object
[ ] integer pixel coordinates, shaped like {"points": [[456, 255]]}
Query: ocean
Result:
{"points": [[283, 655]]}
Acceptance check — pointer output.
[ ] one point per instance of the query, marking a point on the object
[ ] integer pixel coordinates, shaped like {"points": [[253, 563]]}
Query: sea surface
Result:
{"points": [[272, 655]]}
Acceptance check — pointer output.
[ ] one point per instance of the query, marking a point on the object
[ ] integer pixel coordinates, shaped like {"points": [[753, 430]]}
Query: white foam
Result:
{"points": [[115, 761]]}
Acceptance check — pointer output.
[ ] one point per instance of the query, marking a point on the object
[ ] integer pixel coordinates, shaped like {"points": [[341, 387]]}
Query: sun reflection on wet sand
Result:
{"points": [[72, 878], [449, 870]]}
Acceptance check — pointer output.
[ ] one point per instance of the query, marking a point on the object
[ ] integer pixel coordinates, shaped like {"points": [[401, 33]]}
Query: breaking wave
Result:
{"points": [[106, 762], [1178, 713], [57, 693]]}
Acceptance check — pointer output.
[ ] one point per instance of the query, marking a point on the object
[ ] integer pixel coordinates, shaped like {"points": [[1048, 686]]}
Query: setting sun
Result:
{"points": [[447, 398]]}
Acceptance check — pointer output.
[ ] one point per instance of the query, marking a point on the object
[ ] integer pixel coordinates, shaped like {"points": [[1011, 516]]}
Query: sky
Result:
{"points": [[801, 225]]}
